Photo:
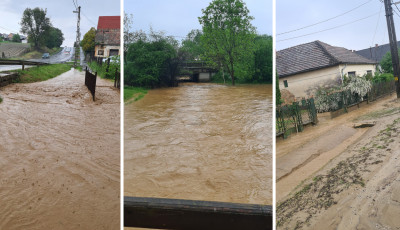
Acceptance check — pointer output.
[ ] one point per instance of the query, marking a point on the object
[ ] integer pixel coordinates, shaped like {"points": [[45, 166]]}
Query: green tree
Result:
{"points": [[151, 62], [192, 45], [278, 96], [35, 24], [88, 41], [386, 62], [263, 59], [54, 37], [228, 35], [16, 38]]}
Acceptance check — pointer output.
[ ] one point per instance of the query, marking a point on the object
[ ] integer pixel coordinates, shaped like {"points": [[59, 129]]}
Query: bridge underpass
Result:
{"points": [[195, 72]]}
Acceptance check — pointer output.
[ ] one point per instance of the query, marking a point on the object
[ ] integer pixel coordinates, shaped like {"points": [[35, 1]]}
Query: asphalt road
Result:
{"points": [[66, 54]]}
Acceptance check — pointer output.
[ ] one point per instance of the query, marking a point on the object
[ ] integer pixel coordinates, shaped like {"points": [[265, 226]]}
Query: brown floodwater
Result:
{"points": [[59, 155], [202, 142]]}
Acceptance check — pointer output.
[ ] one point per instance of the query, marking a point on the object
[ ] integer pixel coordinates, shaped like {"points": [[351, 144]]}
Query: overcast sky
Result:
{"points": [[60, 14], [179, 17], [291, 15]]}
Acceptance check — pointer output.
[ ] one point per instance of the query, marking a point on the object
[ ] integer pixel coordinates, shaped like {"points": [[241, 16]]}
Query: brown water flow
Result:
{"points": [[201, 142], [59, 155]]}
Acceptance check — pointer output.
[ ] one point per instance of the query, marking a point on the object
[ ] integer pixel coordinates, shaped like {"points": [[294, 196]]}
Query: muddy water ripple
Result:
{"points": [[202, 142]]}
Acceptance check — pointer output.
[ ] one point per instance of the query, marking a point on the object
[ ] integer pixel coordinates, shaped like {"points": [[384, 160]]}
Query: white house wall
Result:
{"points": [[305, 84], [106, 50]]}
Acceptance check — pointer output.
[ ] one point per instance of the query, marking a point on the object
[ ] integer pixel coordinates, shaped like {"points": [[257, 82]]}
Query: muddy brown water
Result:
{"points": [[202, 142], [59, 155]]}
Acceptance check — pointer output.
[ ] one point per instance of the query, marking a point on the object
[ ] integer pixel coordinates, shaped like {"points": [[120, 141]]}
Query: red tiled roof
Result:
{"points": [[109, 22]]}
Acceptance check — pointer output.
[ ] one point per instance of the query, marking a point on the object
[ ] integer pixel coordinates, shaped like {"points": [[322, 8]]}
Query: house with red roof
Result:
{"points": [[108, 35]]}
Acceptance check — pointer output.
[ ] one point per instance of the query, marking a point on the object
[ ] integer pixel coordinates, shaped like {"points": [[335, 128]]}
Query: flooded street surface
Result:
{"points": [[201, 142], [59, 155]]}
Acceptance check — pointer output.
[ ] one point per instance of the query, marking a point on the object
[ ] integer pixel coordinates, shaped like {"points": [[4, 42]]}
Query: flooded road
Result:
{"points": [[201, 142], [59, 155]]}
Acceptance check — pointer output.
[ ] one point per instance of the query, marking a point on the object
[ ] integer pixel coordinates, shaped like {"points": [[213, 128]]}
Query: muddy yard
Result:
{"points": [[349, 178], [59, 155]]}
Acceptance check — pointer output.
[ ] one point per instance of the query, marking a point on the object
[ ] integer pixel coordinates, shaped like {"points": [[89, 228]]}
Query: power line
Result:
{"points": [[325, 19], [88, 19], [377, 23], [328, 29]]}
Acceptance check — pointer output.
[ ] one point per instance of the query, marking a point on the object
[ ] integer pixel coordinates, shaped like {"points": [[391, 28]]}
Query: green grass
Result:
{"points": [[42, 73], [133, 93], [1, 99]]}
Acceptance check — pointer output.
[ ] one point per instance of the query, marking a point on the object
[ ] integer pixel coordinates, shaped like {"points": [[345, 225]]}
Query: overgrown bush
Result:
{"points": [[382, 77], [358, 85], [327, 99]]}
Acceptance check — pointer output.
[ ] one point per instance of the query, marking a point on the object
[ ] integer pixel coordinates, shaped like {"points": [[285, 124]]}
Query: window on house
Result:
{"points": [[285, 83], [114, 52], [100, 52], [369, 72], [353, 73]]}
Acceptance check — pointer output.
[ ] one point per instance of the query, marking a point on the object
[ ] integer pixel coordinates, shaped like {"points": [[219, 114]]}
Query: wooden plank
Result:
{"points": [[195, 215]]}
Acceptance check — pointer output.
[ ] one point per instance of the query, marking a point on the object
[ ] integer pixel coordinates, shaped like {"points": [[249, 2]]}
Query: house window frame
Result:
{"points": [[351, 73]]}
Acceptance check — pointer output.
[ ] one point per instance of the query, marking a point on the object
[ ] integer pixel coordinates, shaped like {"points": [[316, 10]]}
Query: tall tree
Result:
{"points": [[192, 45], [16, 38], [228, 35], [35, 23], [54, 37], [88, 41]]}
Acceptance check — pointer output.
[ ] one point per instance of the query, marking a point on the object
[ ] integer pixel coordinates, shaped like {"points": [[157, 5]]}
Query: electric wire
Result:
{"points": [[290, 31], [335, 27], [376, 28]]}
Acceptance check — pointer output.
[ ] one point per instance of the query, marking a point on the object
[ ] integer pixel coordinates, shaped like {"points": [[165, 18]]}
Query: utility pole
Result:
{"points": [[78, 35], [393, 43]]}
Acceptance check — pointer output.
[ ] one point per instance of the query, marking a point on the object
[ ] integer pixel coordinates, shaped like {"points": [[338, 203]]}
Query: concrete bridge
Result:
{"points": [[196, 71]]}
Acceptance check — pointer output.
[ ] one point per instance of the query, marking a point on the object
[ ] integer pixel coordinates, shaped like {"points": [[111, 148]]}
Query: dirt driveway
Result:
{"points": [[59, 155], [350, 178]]}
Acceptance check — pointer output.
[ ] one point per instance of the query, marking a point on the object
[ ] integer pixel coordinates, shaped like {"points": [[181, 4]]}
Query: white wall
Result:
{"points": [[304, 84]]}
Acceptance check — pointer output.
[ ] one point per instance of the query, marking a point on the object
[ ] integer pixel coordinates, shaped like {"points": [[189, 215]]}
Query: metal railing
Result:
{"points": [[162, 213]]}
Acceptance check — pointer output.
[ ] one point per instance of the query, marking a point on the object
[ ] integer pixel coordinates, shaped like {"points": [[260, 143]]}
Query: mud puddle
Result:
{"points": [[201, 142]]}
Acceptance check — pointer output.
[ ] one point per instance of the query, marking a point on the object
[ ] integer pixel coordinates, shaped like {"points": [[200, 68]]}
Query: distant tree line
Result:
{"points": [[227, 42], [39, 29]]}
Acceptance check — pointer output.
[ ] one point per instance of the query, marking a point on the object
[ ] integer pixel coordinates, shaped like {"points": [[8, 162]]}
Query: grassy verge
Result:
{"points": [[42, 73], [37, 54], [133, 93]]}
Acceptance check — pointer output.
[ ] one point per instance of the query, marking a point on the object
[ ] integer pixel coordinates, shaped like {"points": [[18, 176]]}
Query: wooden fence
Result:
{"points": [[195, 215], [293, 118], [90, 82]]}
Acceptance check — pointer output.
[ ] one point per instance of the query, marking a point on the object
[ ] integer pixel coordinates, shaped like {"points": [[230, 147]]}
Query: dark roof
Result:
{"points": [[376, 53], [109, 22], [314, 55]]}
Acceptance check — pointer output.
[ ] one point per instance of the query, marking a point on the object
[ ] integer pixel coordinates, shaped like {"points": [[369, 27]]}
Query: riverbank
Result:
{"points": [[356, 187], [132, 93]]}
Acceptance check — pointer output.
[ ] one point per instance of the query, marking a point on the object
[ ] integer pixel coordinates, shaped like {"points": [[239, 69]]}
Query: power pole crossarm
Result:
{"points": [[393, 44]]}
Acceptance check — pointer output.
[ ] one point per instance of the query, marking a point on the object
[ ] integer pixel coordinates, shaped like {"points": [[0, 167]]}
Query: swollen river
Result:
{"points": [[202, 142]]}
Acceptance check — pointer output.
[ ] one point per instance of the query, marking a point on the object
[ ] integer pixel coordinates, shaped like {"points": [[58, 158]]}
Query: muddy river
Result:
{"points": [[201, 141], [59, 155]]}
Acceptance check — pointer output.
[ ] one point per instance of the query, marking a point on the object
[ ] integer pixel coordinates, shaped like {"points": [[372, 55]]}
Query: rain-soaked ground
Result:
{"points": [[59, 155], [202, 142]]}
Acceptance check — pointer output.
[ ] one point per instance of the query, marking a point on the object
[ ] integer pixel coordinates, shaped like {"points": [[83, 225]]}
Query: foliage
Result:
{"points": [[54, 38], [42, 73], [386, 62], [88, 41], [193, 46], [278, 96], [35, 23], [263, 59], [16, 38], [1, 99], [228, 35], [358, 85], [384, 77], [101, 70], [327, 99], [153, 61]]}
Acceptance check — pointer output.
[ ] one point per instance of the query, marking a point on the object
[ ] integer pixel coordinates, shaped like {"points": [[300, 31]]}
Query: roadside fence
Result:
{"points": [[293, 118], [90, 82]]}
